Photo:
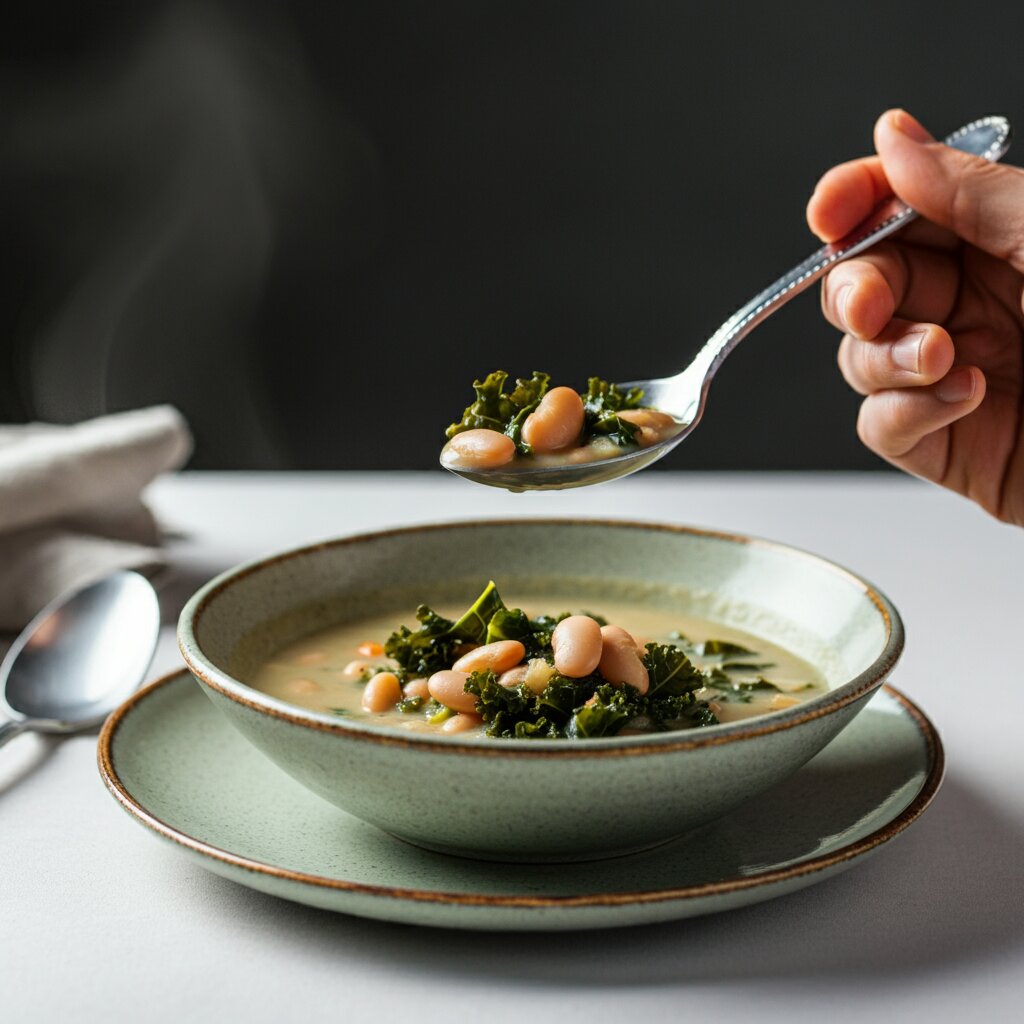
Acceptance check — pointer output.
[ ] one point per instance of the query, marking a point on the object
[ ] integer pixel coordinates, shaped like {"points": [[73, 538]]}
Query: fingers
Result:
{"points": [[897, 424], [861, 295], [982, 202], [904, 355], [845, 195]]}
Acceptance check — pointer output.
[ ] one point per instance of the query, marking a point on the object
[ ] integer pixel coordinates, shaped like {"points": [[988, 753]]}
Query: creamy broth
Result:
{"points": [[327, 671]]}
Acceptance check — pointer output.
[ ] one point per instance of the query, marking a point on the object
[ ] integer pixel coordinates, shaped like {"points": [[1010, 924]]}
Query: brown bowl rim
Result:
{"points": [[841, 696]]}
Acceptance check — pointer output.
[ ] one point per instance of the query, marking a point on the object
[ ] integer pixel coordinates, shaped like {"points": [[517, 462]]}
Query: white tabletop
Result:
{"points": [[99, 920]]}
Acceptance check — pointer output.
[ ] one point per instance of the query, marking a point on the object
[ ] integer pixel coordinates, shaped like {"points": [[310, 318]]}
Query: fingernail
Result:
{"points": [[908, 125], [956, 386], [906, 353]]}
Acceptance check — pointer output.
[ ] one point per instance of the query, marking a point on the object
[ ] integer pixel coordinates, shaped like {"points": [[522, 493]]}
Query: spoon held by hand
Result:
{"points": [[684, 396]]}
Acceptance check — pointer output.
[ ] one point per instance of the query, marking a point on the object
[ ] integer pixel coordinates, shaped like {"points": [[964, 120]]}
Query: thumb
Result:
{"points": [[981, 201]]}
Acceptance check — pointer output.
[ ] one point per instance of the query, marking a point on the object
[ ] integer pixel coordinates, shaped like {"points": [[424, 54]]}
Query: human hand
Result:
{"points": [[934, 318]]}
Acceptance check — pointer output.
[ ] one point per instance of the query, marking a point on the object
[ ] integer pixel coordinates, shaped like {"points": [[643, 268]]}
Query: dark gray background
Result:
{"points": [[311, 225]]}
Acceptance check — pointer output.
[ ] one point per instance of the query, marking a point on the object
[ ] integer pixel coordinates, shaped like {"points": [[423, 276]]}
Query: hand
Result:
{"points": [[934, 319]]}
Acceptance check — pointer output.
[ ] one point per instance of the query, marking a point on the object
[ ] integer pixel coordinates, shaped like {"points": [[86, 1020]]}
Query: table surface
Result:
{"points": [[100, 920]]}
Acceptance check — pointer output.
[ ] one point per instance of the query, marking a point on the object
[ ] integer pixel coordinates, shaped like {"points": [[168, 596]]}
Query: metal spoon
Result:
{"points": [[684, 396], [80, 657]]}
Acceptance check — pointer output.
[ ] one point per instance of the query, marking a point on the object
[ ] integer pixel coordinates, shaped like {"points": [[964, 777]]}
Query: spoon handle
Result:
{"points": [[988, 137], [10, 728]]}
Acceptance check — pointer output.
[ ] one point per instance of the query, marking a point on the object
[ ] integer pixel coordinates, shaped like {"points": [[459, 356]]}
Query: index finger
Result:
{"points": [[848, 192], [845, 195]]}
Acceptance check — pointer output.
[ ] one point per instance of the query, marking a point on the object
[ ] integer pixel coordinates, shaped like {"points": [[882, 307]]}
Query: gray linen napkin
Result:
{"points": [[70, 503]]}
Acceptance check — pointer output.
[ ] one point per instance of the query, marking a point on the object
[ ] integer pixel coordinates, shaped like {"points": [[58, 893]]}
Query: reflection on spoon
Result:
{"points": [[80, 657]]}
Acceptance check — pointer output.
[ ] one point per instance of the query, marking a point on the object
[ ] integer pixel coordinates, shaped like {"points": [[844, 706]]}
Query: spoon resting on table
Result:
{"points": [[684, 396], [80, 657]]}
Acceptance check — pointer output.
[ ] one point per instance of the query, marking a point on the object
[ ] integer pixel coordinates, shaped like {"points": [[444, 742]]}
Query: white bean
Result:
{"points": [[461, 723], [577, 644], [653, 418], [478, 449], [499, 657], [513, 677], [382, 692], [448, 687], [620, 662], [416, 688], [556, 423]]}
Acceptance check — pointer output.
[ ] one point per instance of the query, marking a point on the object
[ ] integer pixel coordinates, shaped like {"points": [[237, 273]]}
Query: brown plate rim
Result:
{"points": [[933, 779]]}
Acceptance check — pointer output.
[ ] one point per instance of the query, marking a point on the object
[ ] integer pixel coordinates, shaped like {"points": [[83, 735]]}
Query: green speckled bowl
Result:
{"points": [[541, 799]]}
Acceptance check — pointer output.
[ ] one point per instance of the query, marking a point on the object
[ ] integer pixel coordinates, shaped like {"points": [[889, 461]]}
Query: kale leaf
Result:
{"points": [[509, 624], [611, 708], [501, 707], [493, 409], [741, 689], [474, 623], [670, 671], [602, 402], [426, 650], [722, 648], [431, 648], [681, 711]]}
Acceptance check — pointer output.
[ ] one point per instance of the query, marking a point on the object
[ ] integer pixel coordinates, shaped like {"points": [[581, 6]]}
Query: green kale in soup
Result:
{"points": [[542, 703], [575, 708]]}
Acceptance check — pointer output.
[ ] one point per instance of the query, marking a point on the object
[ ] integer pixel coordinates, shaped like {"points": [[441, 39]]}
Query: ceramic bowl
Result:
{"points": [[541, 799]]}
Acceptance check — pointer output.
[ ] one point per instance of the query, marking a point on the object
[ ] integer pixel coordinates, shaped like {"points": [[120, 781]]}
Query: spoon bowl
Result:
{"points": [[80, 657], [684, 396]]}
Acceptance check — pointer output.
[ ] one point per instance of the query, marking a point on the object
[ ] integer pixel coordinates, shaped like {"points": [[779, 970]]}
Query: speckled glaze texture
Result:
{"points": [[542, 800], [181, 770]]}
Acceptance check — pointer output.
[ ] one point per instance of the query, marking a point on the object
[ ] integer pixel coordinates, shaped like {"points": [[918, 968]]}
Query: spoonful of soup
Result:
{"points": [[535, 437]]}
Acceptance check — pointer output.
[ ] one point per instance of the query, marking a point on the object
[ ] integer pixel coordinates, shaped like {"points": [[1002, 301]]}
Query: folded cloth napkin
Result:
{"points": [[71, 507]]}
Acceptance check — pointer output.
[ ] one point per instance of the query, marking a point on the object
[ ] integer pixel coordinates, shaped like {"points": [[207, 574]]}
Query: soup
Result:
{"points": [[525, 673]]}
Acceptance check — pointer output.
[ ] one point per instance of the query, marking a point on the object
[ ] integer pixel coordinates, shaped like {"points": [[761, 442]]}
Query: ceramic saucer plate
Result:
{"points": [[178, 767]]}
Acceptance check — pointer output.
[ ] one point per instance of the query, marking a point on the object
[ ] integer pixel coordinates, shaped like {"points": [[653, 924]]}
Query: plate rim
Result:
{"points": [[935, 755]]}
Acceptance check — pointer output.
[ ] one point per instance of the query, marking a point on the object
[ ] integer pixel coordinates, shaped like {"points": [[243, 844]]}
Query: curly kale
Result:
{"points": [[516, 712], [580, 708], [426, 650], [611, 708], [509, 711], [601, 404], [493, 409], [670, 672]]}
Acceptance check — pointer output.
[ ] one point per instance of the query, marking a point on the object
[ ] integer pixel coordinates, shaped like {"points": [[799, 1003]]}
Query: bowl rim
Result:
{"points": [[849, 692]]}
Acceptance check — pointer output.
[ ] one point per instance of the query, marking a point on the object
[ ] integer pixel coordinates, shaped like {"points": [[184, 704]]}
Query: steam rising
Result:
{"points": [[157, 182]]}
